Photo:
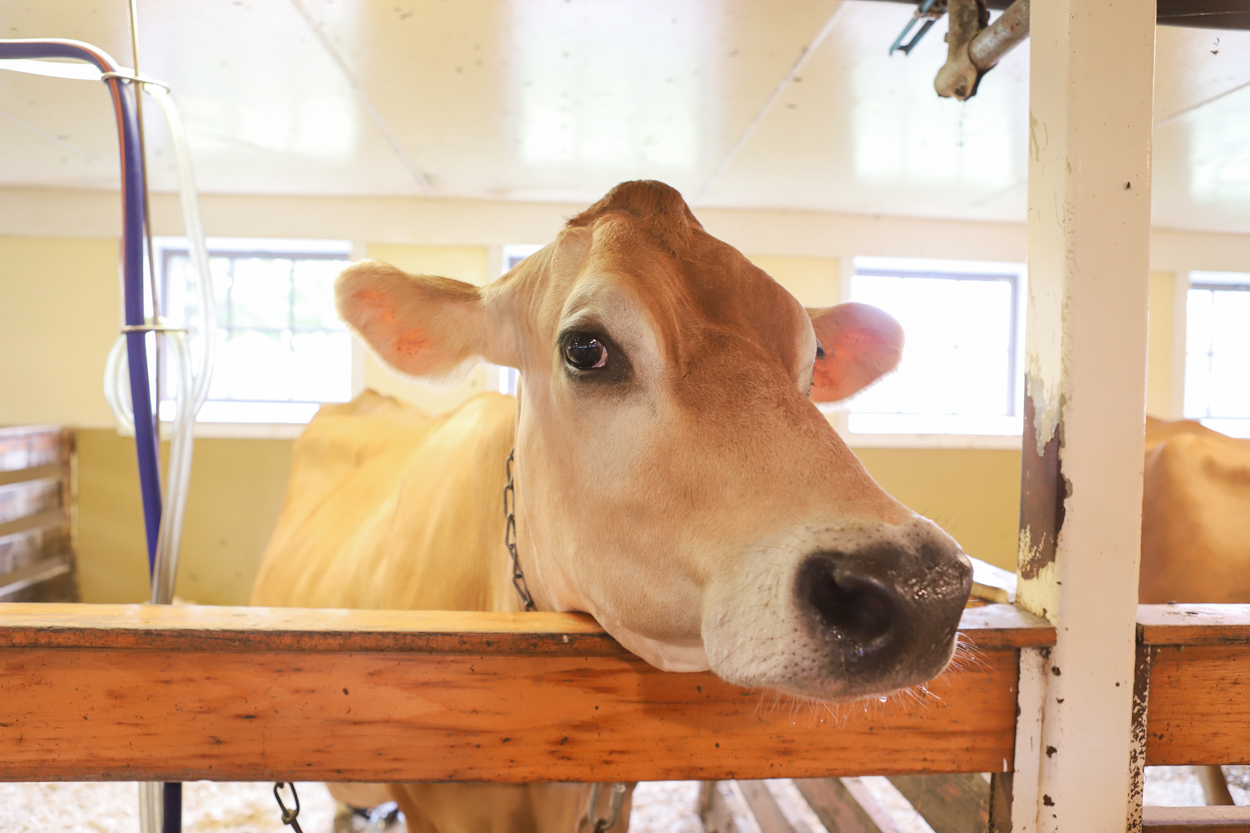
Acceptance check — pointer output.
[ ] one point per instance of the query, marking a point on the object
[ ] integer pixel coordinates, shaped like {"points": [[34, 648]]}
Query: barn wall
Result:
{"points": [[235, 494], [58, 318]]}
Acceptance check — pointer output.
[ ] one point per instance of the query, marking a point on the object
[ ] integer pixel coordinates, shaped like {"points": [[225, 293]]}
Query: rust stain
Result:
{"points": [[1043, 490]]}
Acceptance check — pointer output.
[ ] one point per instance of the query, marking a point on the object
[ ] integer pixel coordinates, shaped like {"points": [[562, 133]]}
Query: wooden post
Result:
{"points": [[1091, 87]]}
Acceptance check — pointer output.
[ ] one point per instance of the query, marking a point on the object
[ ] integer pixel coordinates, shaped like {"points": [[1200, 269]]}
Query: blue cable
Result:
{"points": [[133, 211]]}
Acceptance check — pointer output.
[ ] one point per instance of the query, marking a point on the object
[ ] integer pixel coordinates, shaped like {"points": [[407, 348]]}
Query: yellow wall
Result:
{"points": [[972, 493], [813, 280], [58, 319], [236, 491]]}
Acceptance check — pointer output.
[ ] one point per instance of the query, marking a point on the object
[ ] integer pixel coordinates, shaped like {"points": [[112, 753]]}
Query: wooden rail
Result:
{"points": [[1198, 660], [102, 692], [37, 500]]}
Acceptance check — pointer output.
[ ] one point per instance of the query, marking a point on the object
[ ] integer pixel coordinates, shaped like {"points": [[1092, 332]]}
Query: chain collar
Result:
{"points": [[509, 536]]}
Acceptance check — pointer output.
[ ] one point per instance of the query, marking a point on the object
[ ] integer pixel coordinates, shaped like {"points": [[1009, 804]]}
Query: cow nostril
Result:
{"points": [[854, 606]]}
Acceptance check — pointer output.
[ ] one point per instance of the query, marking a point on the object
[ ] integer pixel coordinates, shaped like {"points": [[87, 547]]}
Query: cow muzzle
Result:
{"points": [[883, 617]]}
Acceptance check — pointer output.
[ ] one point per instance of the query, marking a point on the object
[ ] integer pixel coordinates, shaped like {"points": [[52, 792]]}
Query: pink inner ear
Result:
{"points": [[411, 344], [861, 344], [376, 302]]}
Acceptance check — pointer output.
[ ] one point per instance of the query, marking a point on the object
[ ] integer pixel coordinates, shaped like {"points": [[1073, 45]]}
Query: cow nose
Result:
{"points": [[856, 607]]}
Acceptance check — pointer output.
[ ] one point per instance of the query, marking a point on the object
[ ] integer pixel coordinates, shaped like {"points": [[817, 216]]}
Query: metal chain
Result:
{"points": [[509, 536], [615, 802], [288, 816]]}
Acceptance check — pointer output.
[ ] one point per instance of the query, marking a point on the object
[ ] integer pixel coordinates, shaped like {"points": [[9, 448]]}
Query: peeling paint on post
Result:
{"points": [[1091, 108], [1043, 491]]}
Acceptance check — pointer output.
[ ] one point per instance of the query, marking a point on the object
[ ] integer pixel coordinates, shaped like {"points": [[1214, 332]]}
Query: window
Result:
{"points": [[1217, 351], [281, 349], [512, 255], [960, 372]]}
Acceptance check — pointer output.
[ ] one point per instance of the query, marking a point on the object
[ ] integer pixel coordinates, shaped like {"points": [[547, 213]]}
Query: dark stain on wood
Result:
{"points": [[1043, 490]]}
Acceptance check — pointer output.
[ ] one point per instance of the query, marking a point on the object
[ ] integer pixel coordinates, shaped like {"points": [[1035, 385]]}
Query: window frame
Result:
{"points": [[941, 268], [1203, 280], [164, 248]]}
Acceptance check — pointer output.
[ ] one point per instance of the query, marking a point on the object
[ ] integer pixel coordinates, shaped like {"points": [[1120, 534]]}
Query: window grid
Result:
{"points": [[228, 324], [1203, 379]]}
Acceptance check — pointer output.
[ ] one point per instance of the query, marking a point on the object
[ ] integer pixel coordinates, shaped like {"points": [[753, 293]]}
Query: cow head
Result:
{"points": [[674, 477]]}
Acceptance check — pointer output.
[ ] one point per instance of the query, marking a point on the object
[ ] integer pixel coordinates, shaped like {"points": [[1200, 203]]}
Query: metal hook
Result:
{"points": [[288, 816], [615, 803]]}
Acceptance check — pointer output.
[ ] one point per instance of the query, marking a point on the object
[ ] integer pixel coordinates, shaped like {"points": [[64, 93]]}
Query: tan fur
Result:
{"points": [[1195, 516], [674, 498]]}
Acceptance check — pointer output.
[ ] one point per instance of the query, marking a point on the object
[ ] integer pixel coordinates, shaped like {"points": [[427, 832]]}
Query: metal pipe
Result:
{"points": [[134, 209], [1000, 37]]}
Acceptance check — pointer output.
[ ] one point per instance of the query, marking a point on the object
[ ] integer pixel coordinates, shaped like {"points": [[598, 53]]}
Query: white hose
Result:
{"points": [[195, 239]]}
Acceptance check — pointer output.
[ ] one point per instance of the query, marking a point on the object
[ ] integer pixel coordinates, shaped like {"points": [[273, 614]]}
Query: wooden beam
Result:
{"points": [[1197, 820], [764, 808], [948, 803], [844, 805], [1199, 711], [150, 693], [1193, 624]]}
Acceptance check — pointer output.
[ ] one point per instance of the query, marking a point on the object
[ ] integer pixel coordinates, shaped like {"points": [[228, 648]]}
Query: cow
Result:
{"points": [[1195, 542], [672, 477]]}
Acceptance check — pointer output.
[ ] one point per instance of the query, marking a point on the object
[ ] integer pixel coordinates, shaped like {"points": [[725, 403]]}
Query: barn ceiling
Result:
{"points": [[559, 99]]}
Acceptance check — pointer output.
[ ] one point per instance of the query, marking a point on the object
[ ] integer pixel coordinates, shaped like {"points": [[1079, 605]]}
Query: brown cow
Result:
{"points": [[1195, 544], [673, 476]]}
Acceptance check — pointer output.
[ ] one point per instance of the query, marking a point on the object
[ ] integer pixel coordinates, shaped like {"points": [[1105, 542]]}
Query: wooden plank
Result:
{"points": [[991, 628], [56, 586], [25, 447], [844, 805], [17, 551], [424, 710], [213, 628], [51, 519], [764, 808], [1197, 819], [949, 803], [35, 473], [31, 497], [714, 810], [18, 580], [1000, 626], [1199, 705], [1193, 624]]}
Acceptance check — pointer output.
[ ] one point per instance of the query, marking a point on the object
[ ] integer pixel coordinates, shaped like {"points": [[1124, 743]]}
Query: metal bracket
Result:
{"points": [[929, 11], [959, 77]]}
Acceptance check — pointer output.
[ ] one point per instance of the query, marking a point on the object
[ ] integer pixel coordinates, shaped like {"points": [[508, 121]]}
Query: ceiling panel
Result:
{"points": [[559, 99], [862, 131]]}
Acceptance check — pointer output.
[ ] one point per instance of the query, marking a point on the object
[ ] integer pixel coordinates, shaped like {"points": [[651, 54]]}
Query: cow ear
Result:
{"points": [[420, 325], [860, 344]]}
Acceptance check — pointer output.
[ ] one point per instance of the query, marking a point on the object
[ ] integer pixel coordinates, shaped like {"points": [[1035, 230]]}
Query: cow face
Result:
{"points": [[674, 477]]}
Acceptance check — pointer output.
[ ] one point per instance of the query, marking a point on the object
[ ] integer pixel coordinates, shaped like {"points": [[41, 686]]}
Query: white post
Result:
{"points": [[1091, 87]]}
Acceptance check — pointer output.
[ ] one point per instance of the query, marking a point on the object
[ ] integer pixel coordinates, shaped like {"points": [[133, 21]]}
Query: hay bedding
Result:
{"points": [[659, 807]]}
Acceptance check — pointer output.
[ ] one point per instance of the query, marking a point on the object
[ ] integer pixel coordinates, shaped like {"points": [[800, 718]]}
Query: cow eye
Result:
{"points": [[820, 352], [585, 352]]}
